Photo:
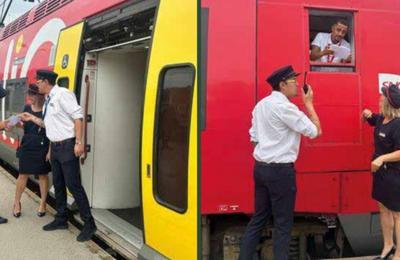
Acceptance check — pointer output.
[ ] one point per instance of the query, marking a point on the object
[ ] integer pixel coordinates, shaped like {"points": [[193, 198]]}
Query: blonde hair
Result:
{"points": [[388, 111]]}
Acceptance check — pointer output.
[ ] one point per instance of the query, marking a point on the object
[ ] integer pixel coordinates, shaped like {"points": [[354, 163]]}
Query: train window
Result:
{"points": [[174, 105], [63, 82], [331, 41], [14, 102], [15, 99]]}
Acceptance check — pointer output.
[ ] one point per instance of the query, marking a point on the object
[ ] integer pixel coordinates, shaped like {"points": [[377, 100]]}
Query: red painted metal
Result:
{"points": [[249, 39], [68, 14]]}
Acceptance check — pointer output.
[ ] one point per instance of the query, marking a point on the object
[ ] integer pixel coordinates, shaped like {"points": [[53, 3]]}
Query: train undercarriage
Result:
{"points": [[313, 236]]}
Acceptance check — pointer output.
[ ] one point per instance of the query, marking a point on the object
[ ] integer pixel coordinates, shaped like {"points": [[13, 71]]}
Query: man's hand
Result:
{"points": [[6, 126], [308, 98], [366, 113], [376, 164], [327, 51], [78, 150], [348, 60]]}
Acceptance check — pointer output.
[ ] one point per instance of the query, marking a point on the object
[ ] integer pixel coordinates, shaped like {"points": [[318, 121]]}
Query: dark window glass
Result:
{"points": [[63, 82], [172, 136], [15, 99], [15, 102]]}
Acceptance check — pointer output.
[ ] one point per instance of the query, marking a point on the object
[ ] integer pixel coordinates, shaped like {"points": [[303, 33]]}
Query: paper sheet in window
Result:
{"points": [[340, 51]]}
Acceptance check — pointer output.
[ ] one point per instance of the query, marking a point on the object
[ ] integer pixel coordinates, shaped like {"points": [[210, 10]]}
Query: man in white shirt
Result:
{"points": [[321, 47], [62, 117], [277, 126]]}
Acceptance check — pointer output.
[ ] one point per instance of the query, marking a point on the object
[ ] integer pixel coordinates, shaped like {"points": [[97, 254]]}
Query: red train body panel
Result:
{"points": [[247, 40], [34, 35], [75, 12]]}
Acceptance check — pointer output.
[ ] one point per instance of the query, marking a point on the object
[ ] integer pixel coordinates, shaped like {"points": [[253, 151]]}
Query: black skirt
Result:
{"points": [[32, 155], [386, 187]]}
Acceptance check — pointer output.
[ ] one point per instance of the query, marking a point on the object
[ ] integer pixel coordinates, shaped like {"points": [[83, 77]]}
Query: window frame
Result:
{"points": [[350, 12], [62, 78], [161, 80], [16, 132]]}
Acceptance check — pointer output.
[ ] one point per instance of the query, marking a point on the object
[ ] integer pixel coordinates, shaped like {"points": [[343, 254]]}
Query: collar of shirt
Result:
{"points": [[53, 91], [331, 42], [277, 95]]}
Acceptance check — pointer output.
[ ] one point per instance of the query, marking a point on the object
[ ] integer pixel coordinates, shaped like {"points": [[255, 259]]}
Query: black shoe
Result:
{"points": [[388, 255], [87, 232], [41, 214], [54, 225], [3, 220], [17, 214]]}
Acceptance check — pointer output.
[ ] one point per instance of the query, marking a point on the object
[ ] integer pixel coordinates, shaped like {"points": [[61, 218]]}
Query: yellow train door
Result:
{"points": [[67, 55], [169, 166]]}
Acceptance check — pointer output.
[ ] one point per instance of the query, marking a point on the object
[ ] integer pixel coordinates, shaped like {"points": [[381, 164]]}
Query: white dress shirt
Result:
{"points": [[324, 39], [276, 127], [59, 114]]}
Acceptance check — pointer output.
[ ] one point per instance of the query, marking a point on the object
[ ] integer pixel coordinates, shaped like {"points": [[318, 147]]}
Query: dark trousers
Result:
{"points": [[66, 173], [275, 194]]}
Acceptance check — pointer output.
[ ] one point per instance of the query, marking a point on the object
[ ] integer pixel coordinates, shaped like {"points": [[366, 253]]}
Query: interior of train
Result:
{"points": [[115, 62]]}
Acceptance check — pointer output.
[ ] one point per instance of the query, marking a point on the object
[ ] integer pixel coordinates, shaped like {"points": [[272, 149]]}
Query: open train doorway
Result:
{"points": [[116, 135], [112, 96]]}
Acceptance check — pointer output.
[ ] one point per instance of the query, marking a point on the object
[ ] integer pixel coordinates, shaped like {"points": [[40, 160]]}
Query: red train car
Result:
{"points": [[133, 67], [242, 43]]}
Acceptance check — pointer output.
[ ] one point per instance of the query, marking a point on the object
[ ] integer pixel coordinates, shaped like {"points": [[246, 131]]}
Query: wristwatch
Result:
{"points": [[77, 142]]}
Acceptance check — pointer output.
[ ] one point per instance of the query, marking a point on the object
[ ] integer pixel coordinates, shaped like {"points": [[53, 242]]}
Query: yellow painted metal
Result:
{"points": [[69, 43], [173, 234]]}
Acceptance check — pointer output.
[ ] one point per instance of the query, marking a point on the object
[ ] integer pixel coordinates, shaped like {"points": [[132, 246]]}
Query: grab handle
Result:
{"points": [[85, 120]]}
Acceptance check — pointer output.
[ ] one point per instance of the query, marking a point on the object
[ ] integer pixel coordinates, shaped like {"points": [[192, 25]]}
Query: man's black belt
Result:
{"points": [[283, 165], [69, 140]]}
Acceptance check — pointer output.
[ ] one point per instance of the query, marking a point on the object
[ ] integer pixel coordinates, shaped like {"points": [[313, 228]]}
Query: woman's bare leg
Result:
{"points": [[20, 187], [387, 224], [396, 216], [44, 188]]}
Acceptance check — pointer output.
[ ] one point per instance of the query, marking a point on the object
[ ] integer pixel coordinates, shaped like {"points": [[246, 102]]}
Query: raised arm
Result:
{"points": [[316, 52], [29, 117], [308, 103]]}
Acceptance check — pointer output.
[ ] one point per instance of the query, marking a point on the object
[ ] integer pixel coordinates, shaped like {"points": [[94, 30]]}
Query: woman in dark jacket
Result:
{"points": [[33, 154], [385, 167]]}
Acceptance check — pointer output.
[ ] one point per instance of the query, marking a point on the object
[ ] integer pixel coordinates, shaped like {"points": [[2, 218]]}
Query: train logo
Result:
{"points": [[65, 61]]}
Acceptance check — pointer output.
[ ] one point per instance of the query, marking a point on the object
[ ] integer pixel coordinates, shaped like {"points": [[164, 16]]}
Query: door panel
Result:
{"points": [[67, 55], [170, 223]]}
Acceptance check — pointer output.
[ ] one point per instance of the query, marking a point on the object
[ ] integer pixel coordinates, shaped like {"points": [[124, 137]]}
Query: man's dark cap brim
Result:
{"points": [[292, 75]]}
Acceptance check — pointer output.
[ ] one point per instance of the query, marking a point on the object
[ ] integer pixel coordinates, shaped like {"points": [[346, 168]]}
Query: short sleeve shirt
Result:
{"points": [[324, 39], [386, 137]]}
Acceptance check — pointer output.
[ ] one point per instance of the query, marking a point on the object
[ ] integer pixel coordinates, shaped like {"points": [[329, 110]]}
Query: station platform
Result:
{"points": [[23, 238]]}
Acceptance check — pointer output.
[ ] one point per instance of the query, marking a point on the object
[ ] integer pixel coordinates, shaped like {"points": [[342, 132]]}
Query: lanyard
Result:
{"points": [[46, 103], [332, 57]]}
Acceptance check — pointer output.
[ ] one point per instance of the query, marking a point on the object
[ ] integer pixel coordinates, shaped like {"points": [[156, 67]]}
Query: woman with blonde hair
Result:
{"points": [[385, 167]]}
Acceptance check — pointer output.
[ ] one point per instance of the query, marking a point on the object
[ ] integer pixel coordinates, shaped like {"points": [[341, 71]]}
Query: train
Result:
{"points": [[167, 89]]}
